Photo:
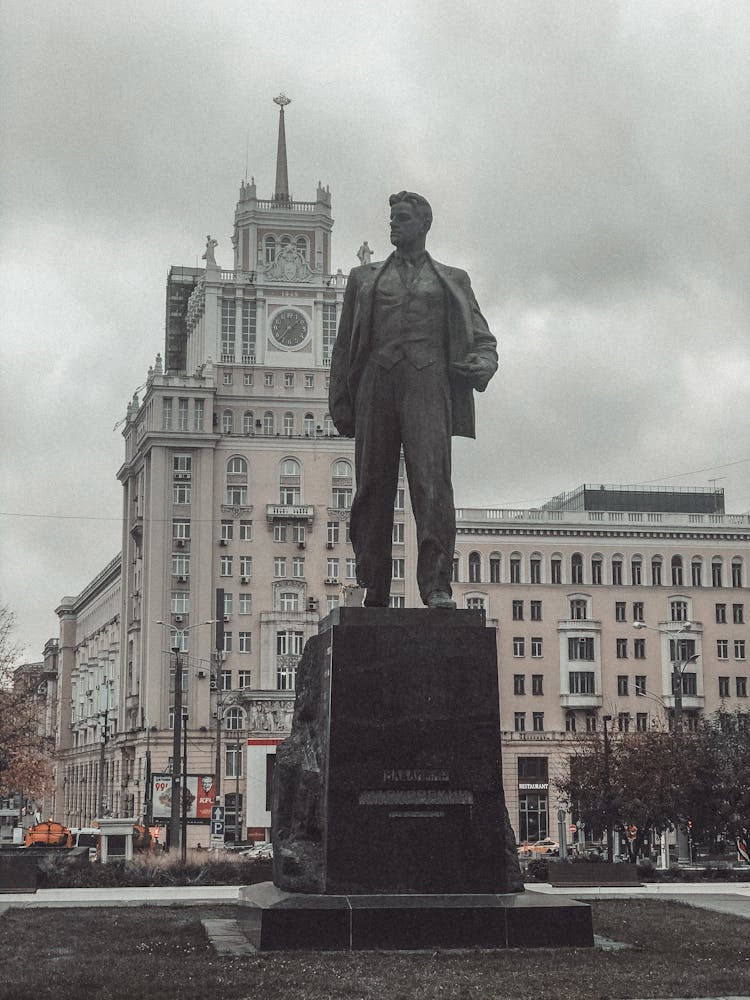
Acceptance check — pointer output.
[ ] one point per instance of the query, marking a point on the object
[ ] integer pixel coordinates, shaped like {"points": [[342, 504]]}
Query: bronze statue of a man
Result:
{"points": [[412, 346]]}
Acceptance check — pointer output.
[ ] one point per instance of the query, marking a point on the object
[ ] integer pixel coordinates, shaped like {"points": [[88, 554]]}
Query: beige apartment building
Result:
{"points": [[236, 497]]}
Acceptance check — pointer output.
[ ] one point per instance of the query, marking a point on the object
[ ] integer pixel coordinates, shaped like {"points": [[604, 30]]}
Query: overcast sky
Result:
{"points": [[587, 163]]}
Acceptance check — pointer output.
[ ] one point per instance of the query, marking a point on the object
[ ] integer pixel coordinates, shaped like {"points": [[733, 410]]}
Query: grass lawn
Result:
{"points": [[161, 952]]}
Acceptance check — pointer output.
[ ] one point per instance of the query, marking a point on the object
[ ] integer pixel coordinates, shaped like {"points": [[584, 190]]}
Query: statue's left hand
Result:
{"points": [[476, 370]]}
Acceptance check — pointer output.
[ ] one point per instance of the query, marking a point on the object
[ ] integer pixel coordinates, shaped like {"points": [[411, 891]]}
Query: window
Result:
{"points": [[399, 502], [475, 568], [519, 646], [721, 614], [736, 572], [621, 647], [227, 642], [246, 531], [398, 570], [681, 649], [741, 687], [623, 722], [396, 601], [620, 611], [268, 379], [228, 602], [182, 415], [738, 614], [716, 572], [641, 721], [351, 568], [247, 378], [279, 532], [519, 684], [233, 761], [329, 329], [535, 569], [656, 571], [181, 529], [617, 572], [590, 722], [536, 646], [180, 602], [494, 568], [679, 611], [640, 685], [636, 571], [199, 410], [234, 719], [537, 683], [279, 566], [397, 536], [622, 685], [237, 482], [570, 722], [309, 384], [332, 532], [723, 687], [166, 413], [289, 643], [517, 611], [537, 722], [722, 649], [225, 680], [226, 531], [332, 568], [290, 482], [454, 570], [181, 493], [228, 319], [578, 609], [536, 611], [677, 571], [581, 648], [690, 684], [576, 568], [739, 649], [245, 604], [638, 611], [596, 570], [475, 604], [225, 566], [581, 682], [288, 380], [696, 572], [555, 570], [227, 422], [246, 566], [289, 600], [180, 565], [245, 642], [639, 649], [519, 722], [515, 569], [268, 423]]}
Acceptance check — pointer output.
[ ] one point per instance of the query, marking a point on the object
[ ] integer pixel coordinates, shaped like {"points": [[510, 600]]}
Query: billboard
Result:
{"points": [[201, 792]]}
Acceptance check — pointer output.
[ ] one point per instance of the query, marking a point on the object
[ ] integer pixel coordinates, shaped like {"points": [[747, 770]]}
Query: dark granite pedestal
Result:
{"points": [[281, 921], [389, 820]]}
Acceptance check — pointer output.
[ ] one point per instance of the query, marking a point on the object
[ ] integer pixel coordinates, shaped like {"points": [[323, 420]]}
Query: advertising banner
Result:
{"points": [[201, 792]]}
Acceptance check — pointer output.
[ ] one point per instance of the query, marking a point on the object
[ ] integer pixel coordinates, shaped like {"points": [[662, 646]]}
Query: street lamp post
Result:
{"points": [[175, 809], [679, 665], [608, 791]]}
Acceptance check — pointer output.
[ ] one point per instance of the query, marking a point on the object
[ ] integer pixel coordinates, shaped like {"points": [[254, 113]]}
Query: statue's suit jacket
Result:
{"points": [[467, 333]]}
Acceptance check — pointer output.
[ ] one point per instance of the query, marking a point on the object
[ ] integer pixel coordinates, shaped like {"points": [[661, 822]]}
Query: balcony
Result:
{"points": [[286, 512], [584, 701], [579, 624]]}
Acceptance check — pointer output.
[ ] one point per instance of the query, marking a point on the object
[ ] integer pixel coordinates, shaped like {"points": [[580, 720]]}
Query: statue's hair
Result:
{"points": [[421, 204]]}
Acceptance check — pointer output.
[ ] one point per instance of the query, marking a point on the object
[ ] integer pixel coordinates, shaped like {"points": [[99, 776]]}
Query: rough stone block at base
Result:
{"points": [[281, 921]]}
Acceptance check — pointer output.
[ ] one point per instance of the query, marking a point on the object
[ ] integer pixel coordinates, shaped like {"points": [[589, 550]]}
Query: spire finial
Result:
{"points": [[282, 178]]}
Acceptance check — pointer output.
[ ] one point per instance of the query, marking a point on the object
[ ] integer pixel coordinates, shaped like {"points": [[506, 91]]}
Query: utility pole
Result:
{"points": [[102, 750], [608, 791], [183, 830], [148, 810], [217, 662]]}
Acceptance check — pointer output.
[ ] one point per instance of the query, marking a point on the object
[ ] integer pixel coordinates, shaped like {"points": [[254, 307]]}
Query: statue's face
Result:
{"points": [[408, 229]]}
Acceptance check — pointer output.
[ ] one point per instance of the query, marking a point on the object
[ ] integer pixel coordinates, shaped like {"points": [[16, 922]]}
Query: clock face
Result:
{"points": [[289, 328]]}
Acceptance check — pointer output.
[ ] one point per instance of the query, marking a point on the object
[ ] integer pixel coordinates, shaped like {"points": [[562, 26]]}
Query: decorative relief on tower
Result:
{"points": [[289, 265]]}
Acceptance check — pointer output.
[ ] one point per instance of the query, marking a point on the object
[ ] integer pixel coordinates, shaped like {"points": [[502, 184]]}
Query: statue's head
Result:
{"points": [[411, 218]]}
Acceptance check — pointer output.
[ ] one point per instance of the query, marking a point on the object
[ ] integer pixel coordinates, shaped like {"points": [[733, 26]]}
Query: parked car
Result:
{"points": [[263, 851]]}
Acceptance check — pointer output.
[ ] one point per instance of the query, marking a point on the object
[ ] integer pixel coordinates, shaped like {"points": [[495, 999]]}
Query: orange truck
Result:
{"points": [[49, 834]]}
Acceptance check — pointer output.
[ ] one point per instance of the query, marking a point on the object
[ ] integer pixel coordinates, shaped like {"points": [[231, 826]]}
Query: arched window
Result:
{"points": [[576, 568], [617, 580], [227, 421], [328, 428], [289, 600], [270, 249], [268, 423], [302, 246], [248, 426], [286, 240], [476, 602], [288, 424], [309, 425], [579, 608], [234, 719], [656, 564], [237, 482], [515, 567], [342, 484], [737, 574], [455, 569], [597, 569], [636, 571], [495, 567], [696, 571], [290, 481], [717, 572], [677, 580], [475, 567], [535, 567]]}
